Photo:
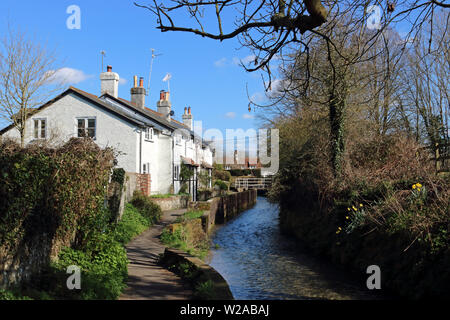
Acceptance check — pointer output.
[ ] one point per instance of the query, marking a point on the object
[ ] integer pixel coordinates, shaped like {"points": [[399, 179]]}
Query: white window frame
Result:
{"points": [[39, 130], [146, 168], [86, 125], [149, 134], [178, 139], [176, 172]]}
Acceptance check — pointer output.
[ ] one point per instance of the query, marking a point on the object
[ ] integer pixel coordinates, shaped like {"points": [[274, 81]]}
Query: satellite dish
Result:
{"points": [[172, 113]]}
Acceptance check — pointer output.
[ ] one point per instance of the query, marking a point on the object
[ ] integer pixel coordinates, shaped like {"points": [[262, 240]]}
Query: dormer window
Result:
{"points": [[148, 134]]}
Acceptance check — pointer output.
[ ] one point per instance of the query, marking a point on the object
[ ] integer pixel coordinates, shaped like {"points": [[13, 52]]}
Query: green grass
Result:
{"points": [[180, 239], [189, 215], [167, 195]]}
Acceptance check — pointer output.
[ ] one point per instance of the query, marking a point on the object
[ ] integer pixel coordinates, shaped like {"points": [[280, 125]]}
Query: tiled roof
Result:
{"points": [[159, 117], [189, 161]]}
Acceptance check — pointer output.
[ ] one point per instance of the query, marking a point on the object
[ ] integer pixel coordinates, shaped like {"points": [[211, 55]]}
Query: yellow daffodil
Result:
{"points": [[418, 185], [348, 209], [354, 208], [414, 186], [340, 228], [347, 217], [361, 205]]}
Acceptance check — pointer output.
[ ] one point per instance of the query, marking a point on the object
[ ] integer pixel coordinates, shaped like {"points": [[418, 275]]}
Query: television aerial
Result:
{"points": [[151, 69], [103, 53]]}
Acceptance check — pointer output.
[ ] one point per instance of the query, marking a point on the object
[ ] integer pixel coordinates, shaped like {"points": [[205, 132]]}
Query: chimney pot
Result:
{"points": [[185, 110], [109, 68], [189, 110], [162, 95], [138, 93]]}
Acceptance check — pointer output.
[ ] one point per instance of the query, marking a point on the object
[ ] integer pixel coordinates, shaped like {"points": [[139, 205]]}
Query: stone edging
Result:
{"points": [[203, 272]]}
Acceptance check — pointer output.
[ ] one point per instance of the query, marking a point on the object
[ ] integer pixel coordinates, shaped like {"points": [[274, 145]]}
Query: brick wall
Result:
{"points": [[144, 183]]}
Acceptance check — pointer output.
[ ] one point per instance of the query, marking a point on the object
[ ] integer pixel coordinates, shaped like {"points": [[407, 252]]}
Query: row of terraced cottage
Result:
{"points": [[151, 143]]}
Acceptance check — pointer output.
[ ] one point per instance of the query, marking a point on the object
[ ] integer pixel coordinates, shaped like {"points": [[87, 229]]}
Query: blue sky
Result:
{"points": [[204, 72]]}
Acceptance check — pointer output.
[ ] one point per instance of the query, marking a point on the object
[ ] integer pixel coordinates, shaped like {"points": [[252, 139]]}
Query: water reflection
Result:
{"points": [[259, 263]]}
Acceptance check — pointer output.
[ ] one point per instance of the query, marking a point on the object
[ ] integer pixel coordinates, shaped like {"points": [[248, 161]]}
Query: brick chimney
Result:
{"points": [[138, 93], [187, 118], [109, 82], [164, 105]]}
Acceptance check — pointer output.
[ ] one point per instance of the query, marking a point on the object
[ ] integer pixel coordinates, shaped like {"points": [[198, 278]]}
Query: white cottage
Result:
{"points": [[150, 143]]}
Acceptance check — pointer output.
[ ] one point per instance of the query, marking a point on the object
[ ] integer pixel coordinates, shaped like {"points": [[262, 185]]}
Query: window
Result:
{"points": [[148, 134], [176, 172], [178, 139], [146, 168], [86, 127], [40, 128]]}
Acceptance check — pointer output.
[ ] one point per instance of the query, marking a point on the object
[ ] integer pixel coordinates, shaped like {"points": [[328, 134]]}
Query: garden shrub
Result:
{"points": [[146, 206], [221, 175], [221, 184]]}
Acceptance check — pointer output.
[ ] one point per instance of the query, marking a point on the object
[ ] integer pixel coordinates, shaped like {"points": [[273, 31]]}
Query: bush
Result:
{"points": [[43, 207], [222, 185], [146, 207], [221, 175]]}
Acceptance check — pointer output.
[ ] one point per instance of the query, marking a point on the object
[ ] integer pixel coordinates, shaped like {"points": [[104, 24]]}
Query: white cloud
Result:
{"points": [[123, 81], [234, 61], [68, 76], [221, 62], [230, 115], [258, 97], [245, 61], [248, 116]]}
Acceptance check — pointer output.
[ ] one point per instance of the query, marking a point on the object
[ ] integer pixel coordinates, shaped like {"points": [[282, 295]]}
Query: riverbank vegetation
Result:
{"points": [[364, 150], [187, 235]]}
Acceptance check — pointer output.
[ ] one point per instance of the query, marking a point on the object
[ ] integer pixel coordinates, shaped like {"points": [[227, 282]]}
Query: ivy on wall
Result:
{"points": [[50, 198]]}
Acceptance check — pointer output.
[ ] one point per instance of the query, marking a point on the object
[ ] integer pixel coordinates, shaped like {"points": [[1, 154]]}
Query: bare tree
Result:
{"points": [[427, 89], [27, 72], [270, 27]]}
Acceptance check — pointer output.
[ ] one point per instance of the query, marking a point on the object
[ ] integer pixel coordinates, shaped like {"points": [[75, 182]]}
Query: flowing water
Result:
{"points": [[260, 263]]}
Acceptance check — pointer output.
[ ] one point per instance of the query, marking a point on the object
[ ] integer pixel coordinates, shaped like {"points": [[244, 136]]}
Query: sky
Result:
{"points": [[205, 73]]}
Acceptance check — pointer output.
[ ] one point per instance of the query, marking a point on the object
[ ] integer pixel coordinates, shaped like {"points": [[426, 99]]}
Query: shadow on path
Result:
{"points": [[146, 279]]}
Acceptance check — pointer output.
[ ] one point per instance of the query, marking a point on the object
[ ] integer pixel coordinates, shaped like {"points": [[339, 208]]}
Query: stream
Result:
{"points": [[259, 263]]}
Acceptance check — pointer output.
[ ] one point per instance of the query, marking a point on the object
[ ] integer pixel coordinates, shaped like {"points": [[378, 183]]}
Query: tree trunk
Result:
{"points": [[337, 109]]}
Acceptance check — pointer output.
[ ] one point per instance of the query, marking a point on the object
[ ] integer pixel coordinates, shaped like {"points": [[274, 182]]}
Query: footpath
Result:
{"points": [[146, 279]]}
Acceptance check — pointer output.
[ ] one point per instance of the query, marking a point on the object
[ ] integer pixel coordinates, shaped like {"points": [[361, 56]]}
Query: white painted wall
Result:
{"points": [[158, 153], [112, 131]]}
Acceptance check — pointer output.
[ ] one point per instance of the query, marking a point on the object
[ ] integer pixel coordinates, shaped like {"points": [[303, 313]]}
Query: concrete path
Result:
{"points": [[146, 279]]}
